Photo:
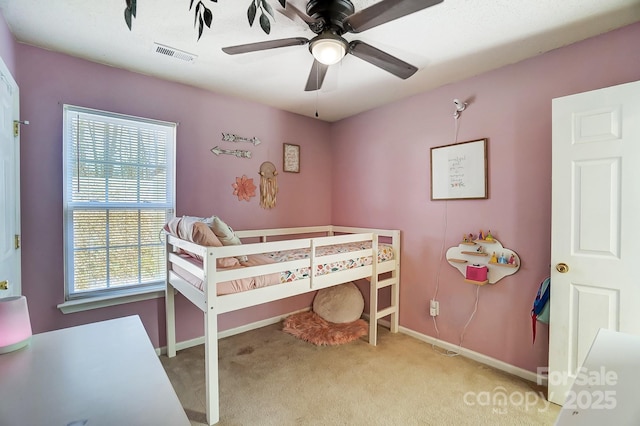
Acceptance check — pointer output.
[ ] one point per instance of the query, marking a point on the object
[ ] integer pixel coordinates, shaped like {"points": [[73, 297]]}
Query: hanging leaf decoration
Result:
{"points": [[130, 12], [251, 13], [264, 19], [265, 10], [265, 24], [203, 16], [266, 6]]}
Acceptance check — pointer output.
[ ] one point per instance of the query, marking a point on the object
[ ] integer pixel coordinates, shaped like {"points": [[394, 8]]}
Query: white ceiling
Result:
{"points": [[447, 42]]}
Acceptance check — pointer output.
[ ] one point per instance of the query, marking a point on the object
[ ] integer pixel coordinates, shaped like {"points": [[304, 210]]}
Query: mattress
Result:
{"points": [[385, 253]]}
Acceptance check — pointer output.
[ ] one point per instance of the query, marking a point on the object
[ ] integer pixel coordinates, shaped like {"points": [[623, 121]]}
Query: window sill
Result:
{"points": [[85, 304]]}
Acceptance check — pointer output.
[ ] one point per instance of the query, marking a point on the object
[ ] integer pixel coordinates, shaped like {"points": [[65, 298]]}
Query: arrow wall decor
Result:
{"points": [[230, 137], [240, 153]]}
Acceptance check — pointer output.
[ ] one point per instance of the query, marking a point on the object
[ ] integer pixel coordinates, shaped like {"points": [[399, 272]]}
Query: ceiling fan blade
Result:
{"points": [[381, 59], [316, 76], [265, 45], [295, 14], [383, 12]]}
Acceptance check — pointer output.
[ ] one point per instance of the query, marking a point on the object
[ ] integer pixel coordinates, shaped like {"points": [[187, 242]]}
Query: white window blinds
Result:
{"points": [[118, 193]]}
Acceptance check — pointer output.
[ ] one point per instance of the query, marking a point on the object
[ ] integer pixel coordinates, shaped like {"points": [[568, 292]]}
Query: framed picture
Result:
{"points": [[459, 171], [291, 158]]}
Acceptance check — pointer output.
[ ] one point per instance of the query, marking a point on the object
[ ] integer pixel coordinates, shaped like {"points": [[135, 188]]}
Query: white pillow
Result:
{"points": [[226, 235]]}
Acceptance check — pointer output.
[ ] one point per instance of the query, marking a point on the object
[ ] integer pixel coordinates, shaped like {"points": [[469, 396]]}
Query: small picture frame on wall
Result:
{"points": [[291, 158], [459, 171]]}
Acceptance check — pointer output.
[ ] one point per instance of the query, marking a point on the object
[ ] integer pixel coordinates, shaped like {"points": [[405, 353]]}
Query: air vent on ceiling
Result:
{"points": [[173, 52]]}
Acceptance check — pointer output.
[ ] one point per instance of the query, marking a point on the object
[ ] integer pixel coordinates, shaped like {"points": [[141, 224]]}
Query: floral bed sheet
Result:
{"points": [[385, 253]]}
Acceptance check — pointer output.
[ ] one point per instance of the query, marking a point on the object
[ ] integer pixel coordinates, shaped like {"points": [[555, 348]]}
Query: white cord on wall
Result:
{"points": [[475, 308], [435, 294], [460, 106]]}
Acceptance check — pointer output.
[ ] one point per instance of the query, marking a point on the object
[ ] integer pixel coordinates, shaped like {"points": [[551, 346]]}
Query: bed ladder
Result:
{"points": [[375, 286]]}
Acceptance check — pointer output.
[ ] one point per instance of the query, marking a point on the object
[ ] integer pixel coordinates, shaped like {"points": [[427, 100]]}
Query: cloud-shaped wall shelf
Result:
{"points": [[500, 261]]}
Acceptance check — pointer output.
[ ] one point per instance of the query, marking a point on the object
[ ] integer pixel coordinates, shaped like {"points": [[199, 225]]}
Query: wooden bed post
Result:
{"points": [[170, 314], [373, 293], [212, 396], [395, 288], [170, 311]]}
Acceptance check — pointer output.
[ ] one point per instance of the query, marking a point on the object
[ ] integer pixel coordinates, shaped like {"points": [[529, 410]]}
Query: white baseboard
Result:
{"points": [[477, 356], [467, 353]]}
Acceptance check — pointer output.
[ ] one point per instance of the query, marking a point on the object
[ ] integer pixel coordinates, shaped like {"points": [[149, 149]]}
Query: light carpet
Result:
{"points": [[268, 377]]}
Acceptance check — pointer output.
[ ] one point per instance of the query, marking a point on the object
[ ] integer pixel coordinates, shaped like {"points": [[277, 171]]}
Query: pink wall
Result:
{"points": [[383, 157], [48, 80]]}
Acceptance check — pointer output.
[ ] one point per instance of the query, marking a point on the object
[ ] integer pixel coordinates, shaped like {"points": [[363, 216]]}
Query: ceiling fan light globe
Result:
{"points": [[328, 51]]}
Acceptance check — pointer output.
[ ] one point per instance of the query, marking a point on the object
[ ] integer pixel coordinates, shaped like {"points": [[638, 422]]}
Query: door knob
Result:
{"points": [[4, 285], [563, 268]]}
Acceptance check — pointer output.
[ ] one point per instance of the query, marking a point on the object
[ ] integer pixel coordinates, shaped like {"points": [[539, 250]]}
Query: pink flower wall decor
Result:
{"points": [[244, 188]]}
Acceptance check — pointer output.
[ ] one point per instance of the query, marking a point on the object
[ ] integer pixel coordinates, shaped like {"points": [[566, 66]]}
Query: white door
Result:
{"points": [[595, 228], [10, 284]]}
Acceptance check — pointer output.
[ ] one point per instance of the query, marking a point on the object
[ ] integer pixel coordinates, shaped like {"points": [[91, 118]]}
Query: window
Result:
{"points": [[118, 194]]}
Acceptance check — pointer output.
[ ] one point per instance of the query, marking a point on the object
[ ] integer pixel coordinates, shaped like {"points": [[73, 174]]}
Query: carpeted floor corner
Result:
{"points": [[268, 377]]}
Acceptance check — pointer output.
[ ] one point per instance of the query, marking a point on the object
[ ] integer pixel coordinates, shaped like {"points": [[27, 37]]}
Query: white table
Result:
{"points": [[606, 390], [106, 373]]}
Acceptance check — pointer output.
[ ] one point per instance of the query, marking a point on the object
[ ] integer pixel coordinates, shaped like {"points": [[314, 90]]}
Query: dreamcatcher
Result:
{"points": [[268, 185]]}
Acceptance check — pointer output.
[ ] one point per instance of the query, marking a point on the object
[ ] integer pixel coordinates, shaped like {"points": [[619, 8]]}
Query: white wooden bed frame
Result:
{"points": [[212, 305]]}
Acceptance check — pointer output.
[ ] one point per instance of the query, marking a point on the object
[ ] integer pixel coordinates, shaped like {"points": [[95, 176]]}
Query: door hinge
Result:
{"points": [[17, 241], [16, 126]]}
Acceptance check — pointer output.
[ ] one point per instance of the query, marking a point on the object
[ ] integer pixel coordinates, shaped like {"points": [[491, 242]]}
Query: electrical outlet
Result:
{"points": [[434, 308]]}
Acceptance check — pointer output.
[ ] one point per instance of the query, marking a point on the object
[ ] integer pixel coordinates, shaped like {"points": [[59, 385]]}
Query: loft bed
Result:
{"points": [[334, 255]]}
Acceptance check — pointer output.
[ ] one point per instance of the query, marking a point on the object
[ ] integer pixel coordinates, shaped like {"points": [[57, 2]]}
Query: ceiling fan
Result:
{"points": [[329, 20]]}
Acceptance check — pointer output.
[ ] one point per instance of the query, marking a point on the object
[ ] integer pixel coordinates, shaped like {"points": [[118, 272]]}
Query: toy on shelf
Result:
{"points": [[497, 266], [467, 239]]}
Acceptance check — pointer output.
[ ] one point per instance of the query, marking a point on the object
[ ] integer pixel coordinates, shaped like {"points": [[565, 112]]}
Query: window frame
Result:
{"points": [[90, 299]]}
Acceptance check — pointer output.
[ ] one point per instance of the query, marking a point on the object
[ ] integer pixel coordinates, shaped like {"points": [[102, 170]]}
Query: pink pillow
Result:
{"points": [[196, 230], [204, 236]]}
